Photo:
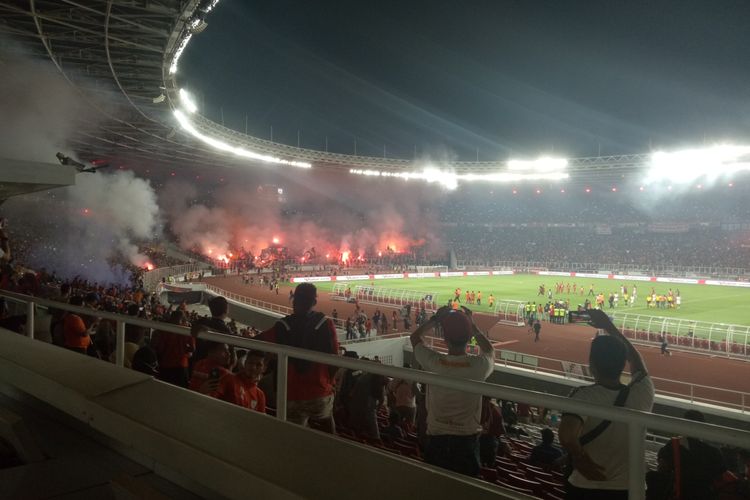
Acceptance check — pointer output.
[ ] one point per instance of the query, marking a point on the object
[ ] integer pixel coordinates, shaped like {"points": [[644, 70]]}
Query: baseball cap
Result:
{"points": [[456, 327]]}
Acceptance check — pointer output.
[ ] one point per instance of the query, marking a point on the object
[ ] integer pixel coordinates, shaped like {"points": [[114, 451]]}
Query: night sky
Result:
{"points": [[500, 79]]}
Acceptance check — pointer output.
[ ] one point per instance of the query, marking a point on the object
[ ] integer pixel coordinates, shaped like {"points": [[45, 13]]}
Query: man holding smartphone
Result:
{"points": [[599, 448]]}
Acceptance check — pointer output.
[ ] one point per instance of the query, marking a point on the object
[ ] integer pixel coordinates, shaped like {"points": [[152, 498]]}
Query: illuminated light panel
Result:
{"points": [[539, 165], [689, 165], [515, 191], [186, 124], [731, 184], [614, 189], [178, 53], [562, 190], [641, 188], [588, 190], [187, 101], [450, 180]]}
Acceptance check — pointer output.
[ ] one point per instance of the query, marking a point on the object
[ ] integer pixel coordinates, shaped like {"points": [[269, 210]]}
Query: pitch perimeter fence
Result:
{"points": [[723, 338]]}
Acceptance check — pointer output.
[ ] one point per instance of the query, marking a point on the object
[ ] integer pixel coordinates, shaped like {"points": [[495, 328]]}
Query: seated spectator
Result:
{"points": [[546, 454], [145, 361], [215, 365], [242, 388], [75, 331]]}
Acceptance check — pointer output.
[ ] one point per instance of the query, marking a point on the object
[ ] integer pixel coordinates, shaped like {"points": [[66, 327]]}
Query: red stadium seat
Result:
{"points": [[488, 474]]}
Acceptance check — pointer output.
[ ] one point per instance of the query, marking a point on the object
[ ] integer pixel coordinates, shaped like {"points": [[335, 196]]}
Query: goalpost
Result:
{"points": [[510, 312]]}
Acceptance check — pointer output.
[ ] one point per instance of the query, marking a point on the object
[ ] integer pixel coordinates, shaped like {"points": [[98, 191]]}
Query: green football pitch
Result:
{"points": [[716, 304]]}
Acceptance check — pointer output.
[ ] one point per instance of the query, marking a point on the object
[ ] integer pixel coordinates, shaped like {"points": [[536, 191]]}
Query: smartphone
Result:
{"points": [[578, 317]]}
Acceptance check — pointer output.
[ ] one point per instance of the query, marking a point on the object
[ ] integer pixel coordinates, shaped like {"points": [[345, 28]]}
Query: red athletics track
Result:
{"points": [[563, 342]]}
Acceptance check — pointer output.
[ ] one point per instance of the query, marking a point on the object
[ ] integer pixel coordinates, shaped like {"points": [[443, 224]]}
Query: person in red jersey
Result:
{"points": [[310, 385], [242, 388], [174, 352], [215, 365]]}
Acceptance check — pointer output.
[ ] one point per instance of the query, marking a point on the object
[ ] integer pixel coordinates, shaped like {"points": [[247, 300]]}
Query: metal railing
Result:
{"points": [[727, 339], [636, 421], [693, 392]]}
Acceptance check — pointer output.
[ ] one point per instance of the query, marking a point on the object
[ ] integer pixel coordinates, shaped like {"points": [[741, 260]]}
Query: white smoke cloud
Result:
{"points": [[86, 229]]}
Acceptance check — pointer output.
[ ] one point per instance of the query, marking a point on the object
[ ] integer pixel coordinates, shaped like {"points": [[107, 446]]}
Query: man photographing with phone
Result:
{"points": [[454, 417], [599, 448]]}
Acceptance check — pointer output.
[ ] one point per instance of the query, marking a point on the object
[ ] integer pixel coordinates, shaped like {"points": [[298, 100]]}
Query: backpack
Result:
{"points": [[304, 331]]}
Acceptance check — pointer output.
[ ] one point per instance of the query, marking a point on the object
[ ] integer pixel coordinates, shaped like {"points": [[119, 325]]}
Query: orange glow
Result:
{"points": [[149, 266], [345, 256], [275, 240], [210, 251]]}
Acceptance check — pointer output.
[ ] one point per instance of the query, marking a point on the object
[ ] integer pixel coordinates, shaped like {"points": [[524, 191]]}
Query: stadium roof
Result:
{"points": [[118, 55]]}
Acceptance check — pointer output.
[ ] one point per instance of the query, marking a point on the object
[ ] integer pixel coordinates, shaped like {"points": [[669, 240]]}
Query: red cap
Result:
{"points": [[456, 327]]}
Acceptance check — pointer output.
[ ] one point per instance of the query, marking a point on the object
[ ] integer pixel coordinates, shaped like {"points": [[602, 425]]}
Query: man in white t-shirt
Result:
{"points": [[600, 458], [454, 417]]}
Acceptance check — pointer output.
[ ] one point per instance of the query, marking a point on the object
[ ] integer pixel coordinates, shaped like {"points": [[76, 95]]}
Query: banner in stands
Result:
{"points": [[388, 276], [477, 273], [502, 273], [451, 274]]}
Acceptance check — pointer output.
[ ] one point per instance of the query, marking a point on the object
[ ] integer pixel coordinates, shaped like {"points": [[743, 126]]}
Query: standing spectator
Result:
{"points": [[546, 454], [454, 417], [697, 470], [404, 400], [492, 430], [600, 452], [664, 345], [174, 352], [310, 385], [219, 308], [367, 396], [537, 328]]}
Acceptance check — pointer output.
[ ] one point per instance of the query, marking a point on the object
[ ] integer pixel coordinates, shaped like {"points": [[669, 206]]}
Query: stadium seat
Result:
{"points": [[521, 482], [488, 474], [514, 488]]}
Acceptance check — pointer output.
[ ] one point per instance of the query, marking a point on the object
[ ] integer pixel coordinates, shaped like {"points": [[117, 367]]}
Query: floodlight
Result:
{"points": [[688, 165]]}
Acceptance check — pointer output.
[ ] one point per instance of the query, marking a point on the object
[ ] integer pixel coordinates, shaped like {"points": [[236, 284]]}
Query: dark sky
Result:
{"points": [[501, 78]]}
